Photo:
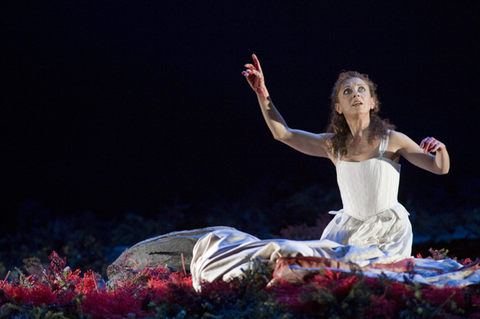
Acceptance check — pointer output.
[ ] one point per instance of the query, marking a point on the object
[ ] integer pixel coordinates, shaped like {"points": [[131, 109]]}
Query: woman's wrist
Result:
{"points": [[262, 93]]}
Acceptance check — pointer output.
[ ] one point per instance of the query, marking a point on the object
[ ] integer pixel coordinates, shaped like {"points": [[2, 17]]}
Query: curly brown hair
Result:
{"points": [[338, 125]]}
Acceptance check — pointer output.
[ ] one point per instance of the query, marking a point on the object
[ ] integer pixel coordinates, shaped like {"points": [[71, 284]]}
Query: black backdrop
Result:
{"points": [[110, 106]]}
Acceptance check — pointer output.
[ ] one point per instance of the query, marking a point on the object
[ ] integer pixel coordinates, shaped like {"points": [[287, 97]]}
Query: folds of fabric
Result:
{"points": [[390, 231], [225, 254], [438, 273]]}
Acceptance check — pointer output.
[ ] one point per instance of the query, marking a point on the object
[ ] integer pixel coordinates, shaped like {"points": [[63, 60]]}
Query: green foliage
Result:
{"points": [[439, 254], [29, 312]]}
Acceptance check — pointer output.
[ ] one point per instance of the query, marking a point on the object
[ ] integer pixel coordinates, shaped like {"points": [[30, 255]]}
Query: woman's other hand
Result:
{"points": [[431, 145]]}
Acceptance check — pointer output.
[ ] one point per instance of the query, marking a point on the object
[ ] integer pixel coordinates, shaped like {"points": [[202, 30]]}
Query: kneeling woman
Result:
{"points": [[366, 151]]}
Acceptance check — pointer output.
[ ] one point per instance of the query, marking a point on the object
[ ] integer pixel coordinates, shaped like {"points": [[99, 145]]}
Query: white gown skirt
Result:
{"points": [[390, 231]]}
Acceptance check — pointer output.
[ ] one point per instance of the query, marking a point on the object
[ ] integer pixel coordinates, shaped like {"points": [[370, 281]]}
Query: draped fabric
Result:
{"points": [[389, 231], [226, 254]]}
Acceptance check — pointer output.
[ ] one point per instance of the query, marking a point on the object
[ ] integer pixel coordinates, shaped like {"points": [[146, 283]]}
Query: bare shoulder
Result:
{"points": [[399, 138], [326, 140], [326, 137], [401, 143]]}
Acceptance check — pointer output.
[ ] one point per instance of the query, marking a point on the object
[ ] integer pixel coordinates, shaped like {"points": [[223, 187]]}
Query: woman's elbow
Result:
{"points": [[442, 171], [278, 137], [282, 136]]}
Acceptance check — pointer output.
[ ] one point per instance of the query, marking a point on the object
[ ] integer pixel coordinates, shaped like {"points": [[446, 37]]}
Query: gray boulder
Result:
{"points": [[165, 250]]}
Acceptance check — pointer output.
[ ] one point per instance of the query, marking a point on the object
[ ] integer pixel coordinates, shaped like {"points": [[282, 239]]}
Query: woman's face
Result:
{"points": [[354, 98]]}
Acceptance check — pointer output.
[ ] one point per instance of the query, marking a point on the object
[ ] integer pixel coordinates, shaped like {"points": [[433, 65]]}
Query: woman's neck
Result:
{"points": [[360, 131]]}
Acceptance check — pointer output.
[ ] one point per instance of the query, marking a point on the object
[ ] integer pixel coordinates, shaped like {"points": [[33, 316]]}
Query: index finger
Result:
{"points": [[257, 63]]}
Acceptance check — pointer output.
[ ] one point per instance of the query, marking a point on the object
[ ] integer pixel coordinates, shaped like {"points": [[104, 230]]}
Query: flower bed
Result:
{"points": [[59, 292]]}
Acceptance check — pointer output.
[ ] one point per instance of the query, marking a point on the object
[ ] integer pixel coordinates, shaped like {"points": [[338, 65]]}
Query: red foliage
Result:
{"points": [[181, 280], [372, 282], [288, 294], [157, 272], [323, 282], [152, 287], [113, 304], [381, 307], [41, 294], [398, 293], [447, 295], [57, 264], [330, 274], [220, 289], [73, 276], [87, 284], [335, 284], [343, 286], [467, 261]]}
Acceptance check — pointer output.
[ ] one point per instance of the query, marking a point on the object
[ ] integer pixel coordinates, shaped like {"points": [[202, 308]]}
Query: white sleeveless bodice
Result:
{"points": [[370, 187]]}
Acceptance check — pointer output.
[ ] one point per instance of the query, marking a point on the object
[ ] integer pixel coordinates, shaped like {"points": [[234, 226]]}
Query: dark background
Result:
{"points": [[118, 106]]}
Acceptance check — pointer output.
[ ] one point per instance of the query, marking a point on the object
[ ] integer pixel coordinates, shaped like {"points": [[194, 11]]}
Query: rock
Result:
{"points": [[165, 250]]}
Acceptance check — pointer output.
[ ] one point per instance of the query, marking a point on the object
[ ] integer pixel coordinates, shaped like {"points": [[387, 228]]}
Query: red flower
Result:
{"points": [[467, 261], [87, 284]]}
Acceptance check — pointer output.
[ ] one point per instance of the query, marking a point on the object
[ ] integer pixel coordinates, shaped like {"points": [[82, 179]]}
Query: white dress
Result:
{"points": [[371, 214], [371, 227]]}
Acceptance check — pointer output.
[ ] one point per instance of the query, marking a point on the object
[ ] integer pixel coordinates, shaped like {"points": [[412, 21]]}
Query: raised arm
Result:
{"points": [[420, 155], [305, 142]]}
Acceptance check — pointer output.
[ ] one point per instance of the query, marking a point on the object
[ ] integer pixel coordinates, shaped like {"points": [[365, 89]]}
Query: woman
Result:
{"points": [[372, 226], [366, 152]]}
